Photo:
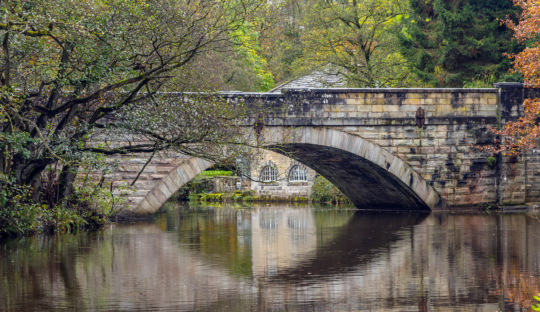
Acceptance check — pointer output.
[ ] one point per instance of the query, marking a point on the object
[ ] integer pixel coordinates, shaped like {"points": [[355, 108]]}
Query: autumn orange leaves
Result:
{"points": [[523, 134]]}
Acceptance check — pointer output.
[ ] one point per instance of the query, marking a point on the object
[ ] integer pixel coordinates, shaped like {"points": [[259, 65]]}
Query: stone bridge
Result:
{"points": [[368, 143]]}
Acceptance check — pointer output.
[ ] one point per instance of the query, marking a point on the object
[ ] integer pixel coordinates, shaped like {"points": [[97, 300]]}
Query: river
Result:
{"points": [[279, 258]]}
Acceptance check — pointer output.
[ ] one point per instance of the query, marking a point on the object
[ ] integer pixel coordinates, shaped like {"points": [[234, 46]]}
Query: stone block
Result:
{"points": [[469, 101], [422, 188], [433, 200], [407, 106], [397, 166], [165, 169], [352, 102], [389, 160], [328, 137], [145, 185], [436, 135], [155, 176], [356, 115], [403, 143], [368, 135], [444, 108], [144, 207], [162, 192], [425, 142], [348, 108], [345, 141], [141, 193], [373, 154], [411, 135], [337, 115], [335, 139], [189, 171], [153, 201], [356, 146], [405, 175], [180, 177], [366, 145], [194, 163], [170, 184], [390, 135], [443, 150], [381, 161], [383, 143]]}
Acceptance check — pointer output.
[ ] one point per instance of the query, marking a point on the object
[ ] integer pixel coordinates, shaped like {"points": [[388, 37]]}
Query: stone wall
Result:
{"points": [[226, 184], [282, 187]]}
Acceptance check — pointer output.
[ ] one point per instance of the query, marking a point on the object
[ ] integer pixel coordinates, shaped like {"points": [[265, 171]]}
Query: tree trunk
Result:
{"points": [[66, 179]]}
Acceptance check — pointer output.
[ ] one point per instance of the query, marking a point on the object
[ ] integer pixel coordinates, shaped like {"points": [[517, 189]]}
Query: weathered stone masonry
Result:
{"points": [[367, 143], [442, 150]]}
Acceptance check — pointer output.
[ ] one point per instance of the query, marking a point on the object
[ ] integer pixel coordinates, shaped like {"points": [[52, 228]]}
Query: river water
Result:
{"points": [[279, 258]]}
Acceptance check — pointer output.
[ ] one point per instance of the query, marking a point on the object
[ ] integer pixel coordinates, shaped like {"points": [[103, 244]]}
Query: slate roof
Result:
{"points": [[314, 80]]}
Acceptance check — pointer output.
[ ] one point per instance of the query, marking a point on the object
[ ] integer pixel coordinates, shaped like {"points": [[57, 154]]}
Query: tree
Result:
{"points": [[356, 39], [73, 71], [453, 43], [523, 134], [281, 33]]}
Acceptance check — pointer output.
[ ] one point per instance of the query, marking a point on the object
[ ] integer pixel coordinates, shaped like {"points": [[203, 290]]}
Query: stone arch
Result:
{"points": [[371, 176], [171, 183]]}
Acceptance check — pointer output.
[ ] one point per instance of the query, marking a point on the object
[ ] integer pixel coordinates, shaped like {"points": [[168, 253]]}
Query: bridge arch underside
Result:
{"points": [[372, 177], [368, 185]]}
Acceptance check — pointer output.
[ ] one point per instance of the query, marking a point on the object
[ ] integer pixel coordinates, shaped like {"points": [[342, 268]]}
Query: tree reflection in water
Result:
{"points": [[279, 257]]}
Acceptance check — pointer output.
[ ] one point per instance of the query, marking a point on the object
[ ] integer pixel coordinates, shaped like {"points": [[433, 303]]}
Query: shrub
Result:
{"points": [[18, 214], [88, 205], [323, 191]]}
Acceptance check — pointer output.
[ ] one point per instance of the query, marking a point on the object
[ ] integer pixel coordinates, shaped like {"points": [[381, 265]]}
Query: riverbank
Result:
{"points": [[249, 197], [246, 196]]}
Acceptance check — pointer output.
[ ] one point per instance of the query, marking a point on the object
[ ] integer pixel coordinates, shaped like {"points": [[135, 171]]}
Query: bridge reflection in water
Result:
{"points": [[279, 258]]}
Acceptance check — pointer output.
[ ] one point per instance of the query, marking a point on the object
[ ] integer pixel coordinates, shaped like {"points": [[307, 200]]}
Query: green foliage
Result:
{"points": [[491, 161], [246, 42], [458, 44], [18, 214], [537, 307], [356, 39], [88, 205], [213, 173], [325, 192]]}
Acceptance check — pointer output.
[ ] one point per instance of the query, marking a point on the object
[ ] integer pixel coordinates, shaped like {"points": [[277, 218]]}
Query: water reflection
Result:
{"points": [[279, 258]]}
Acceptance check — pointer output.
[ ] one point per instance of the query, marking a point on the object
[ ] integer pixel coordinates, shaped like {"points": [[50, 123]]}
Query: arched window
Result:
{"points": [[269, 174], [298, 174]]}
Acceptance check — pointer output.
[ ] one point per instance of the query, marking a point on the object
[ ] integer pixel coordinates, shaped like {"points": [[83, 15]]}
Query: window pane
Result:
{"points": [[298, 173], [269, 174]]}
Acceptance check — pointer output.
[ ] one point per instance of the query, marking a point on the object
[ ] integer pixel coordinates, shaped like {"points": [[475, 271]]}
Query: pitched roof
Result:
{"points": [[314, 80]]}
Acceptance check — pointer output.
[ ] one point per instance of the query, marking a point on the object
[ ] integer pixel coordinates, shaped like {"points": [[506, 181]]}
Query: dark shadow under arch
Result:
{"points": [[366, 184]]}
